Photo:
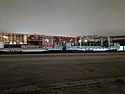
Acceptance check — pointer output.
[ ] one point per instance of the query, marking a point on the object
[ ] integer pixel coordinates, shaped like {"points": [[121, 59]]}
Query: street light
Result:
{"points": [[71, 40], [80, 41]]}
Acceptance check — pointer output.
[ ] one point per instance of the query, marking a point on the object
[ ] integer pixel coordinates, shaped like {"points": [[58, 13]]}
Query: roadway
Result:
{"points": [[62, 73]]}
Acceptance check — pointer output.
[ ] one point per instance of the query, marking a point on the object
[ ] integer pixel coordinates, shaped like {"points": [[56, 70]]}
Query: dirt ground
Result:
{"points": [[64, 73]]}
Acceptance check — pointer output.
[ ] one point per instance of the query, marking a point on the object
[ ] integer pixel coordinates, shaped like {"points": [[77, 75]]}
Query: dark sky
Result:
{"points": [[63, 17]]}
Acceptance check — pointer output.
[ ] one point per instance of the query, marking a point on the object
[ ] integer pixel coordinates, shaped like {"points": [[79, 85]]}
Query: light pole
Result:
{"points": [[109, 42], [80, 42], [71, 42], [101, 41]]}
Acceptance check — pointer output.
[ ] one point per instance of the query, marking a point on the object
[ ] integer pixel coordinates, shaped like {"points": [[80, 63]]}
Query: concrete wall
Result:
{"points": [[122, 48], [1, 44]]}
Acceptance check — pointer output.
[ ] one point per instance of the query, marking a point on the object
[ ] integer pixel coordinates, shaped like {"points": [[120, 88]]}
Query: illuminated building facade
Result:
{"points": [[118, 39], [14, 40], [10, 38], [94, 40], [63, 41]]}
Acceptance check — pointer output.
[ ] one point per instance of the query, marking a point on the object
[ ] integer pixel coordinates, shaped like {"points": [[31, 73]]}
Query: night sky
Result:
{"points": [[63, 17]]}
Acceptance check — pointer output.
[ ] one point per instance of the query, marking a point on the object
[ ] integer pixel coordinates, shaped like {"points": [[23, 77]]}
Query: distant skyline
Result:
{"points": [[63, 17]]}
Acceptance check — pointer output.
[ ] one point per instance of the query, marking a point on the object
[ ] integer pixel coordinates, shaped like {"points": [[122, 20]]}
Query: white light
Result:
{"points": [[25, 36], [46, 40], [80, 41], [21, 42], [28, 35], [5, 37], [10, 42], [71, 40], [14, 42], [85, 40]]}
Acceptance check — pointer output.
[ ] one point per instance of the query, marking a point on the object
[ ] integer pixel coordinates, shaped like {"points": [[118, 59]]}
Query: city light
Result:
{"points": [[21, 42], [5, 37]]}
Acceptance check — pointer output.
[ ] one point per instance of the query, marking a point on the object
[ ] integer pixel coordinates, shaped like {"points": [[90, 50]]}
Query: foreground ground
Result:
{"points": [[65, 73]]}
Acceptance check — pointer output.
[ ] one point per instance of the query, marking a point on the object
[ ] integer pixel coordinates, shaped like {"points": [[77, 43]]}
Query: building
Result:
{"points": [[118, 39], [15, 40], [12, 39]]}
